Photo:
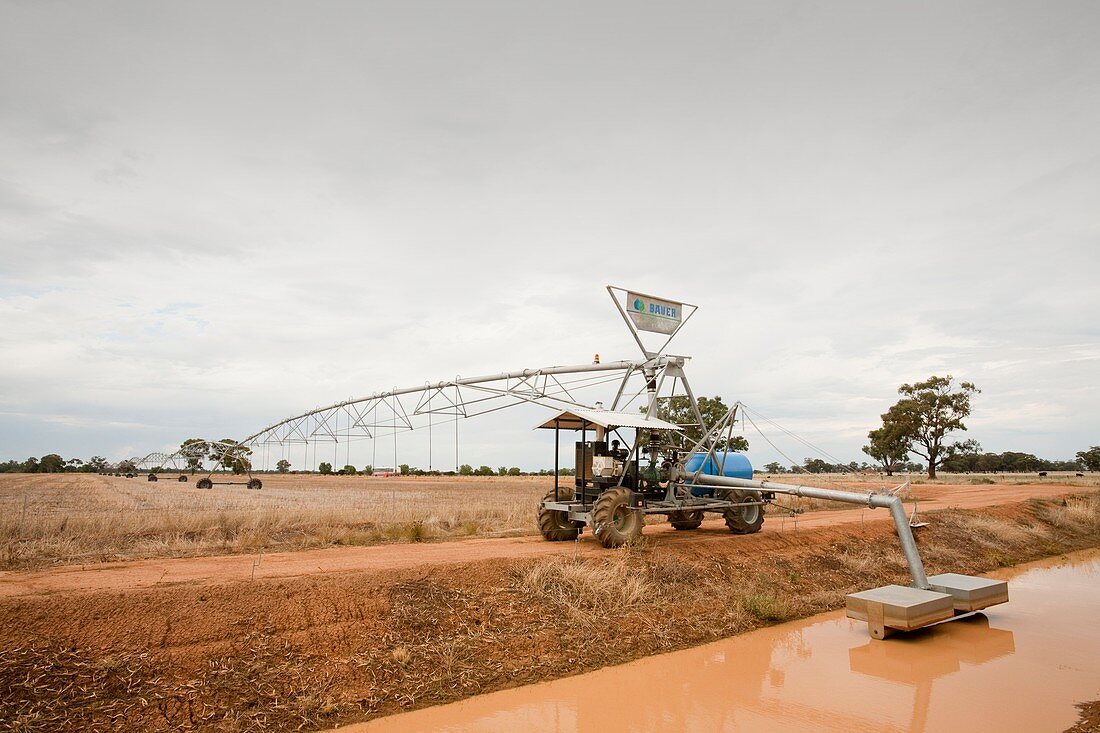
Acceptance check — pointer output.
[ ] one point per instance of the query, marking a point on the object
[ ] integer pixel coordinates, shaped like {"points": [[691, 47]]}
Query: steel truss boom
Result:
{"points": [[393, 411]]}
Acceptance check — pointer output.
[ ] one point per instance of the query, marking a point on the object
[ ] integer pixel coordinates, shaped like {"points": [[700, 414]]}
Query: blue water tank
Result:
{"points": [[734, 465]]}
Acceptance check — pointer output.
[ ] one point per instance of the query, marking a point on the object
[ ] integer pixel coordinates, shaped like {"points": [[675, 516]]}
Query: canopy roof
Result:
{"points": [[576, 418]]}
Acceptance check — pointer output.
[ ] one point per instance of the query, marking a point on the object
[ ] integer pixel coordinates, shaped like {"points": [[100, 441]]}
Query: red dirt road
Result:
{"points": [[143, 574]]}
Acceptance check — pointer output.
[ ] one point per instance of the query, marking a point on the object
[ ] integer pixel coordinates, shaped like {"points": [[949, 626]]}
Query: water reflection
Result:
{"points": [[907, 659]]}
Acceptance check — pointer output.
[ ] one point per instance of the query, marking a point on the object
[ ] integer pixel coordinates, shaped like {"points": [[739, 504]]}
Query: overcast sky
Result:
{"points": [[214, 215]]}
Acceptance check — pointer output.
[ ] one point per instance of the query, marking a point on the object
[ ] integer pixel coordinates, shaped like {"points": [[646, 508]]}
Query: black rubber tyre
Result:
{"points": [[614, 520], [204, 483], [255, 483], [685, 520], [182, 479], [744, 519], [152, 477], [555, 525], [129, 475]]}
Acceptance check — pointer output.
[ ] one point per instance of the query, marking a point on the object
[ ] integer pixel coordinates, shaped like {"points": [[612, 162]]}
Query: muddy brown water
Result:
{"points": [[1018, 667]]}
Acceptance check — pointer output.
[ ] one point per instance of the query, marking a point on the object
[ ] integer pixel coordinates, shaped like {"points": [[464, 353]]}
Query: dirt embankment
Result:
{"points": [[311, 650]]}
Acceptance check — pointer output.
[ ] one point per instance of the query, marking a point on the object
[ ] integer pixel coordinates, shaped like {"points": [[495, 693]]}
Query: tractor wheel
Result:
{"points": [[182, 479], [685, 520], [615, 521], [555, 525], [204, 483], [744, 519], [129, 475], [255, 483], [152, 477]]}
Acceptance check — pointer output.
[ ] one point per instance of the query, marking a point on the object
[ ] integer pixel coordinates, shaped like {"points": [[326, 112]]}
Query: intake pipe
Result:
{"points": [[871, 499]]}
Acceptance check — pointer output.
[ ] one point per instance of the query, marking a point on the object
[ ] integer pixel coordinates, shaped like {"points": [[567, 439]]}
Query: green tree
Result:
{"points": [[890, 444], [483, 471], [30, 465], [283, 466], [1090, 458], [368, 469], [325, 468], [816, 465], [502, 471], [96, 463], [678, 410], [774, 467], [231, 455], [51, 463], [404, 469], [930, 411], [967, 457], [126, 466], [465, 470], [514, 471], [194, 451], [348, 470]]}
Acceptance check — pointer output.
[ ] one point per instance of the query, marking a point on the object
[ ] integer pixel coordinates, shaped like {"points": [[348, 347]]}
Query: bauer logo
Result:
{"points": [[653, 314]]}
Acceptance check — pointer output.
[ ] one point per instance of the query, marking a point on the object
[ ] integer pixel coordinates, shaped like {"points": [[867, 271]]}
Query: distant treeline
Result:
{"points": [[1010, 462], [327, 469], [816, 465], [53, 463], [1007, 462]]}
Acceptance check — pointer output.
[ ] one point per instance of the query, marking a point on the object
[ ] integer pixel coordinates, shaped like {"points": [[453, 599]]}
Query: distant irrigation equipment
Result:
{"points": [[157, 464], [204, 457]]}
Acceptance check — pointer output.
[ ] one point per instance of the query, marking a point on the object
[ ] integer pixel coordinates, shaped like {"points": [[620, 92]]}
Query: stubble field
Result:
{"points": [[65, 519]]}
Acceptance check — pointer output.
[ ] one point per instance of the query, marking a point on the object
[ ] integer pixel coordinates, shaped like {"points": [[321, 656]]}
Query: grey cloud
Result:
{"points": [[217, 215]]}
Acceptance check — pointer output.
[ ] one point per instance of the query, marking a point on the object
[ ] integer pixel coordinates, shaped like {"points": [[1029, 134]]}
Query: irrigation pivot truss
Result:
{"points": [[389, 413], [160, 461]]}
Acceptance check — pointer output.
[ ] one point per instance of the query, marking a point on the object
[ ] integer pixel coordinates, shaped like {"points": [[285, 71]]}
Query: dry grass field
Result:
{"points": [[80, 518]]}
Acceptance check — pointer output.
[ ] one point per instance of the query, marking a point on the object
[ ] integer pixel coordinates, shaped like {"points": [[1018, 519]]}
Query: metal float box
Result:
{"points": [[901, 608]]}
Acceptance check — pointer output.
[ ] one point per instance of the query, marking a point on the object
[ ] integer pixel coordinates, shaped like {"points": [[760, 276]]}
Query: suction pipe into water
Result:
{"points": [[871, 499]]}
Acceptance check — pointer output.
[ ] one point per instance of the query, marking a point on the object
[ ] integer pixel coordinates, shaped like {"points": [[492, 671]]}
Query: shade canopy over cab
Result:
{"points": [[577, 419]]}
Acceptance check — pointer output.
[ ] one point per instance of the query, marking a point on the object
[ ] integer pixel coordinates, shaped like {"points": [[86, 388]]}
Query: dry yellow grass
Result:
{"points": [[586, 589], [78, 518]]}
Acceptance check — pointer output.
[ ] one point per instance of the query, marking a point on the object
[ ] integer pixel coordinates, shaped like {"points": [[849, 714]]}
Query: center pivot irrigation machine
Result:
{"points": [[629, 463], [196, 455]]}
